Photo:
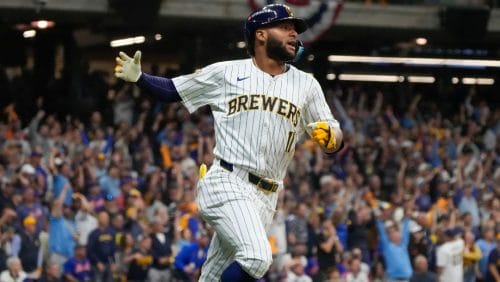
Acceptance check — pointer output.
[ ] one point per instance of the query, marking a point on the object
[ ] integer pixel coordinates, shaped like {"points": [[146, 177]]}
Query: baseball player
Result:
{"points": [[449, 257], [261, 106]]}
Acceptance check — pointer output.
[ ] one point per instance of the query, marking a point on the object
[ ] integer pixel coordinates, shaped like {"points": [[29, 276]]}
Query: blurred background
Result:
{"points": [[98, 179]]}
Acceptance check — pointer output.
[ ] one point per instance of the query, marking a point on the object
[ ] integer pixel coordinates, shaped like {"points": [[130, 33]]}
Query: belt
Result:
{"points": [[262, 183]]}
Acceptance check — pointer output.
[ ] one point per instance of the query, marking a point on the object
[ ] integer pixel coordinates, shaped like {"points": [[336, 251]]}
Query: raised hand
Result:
{"points": [[128, 69]]}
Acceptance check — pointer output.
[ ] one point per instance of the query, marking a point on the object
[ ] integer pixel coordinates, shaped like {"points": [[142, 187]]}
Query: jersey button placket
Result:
{"points": [[264, 135], [263, 139], [270, 85]]}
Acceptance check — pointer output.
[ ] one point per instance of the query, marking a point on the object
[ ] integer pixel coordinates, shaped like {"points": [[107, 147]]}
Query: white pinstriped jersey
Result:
{"points": [[258, 118], [449, 256]]}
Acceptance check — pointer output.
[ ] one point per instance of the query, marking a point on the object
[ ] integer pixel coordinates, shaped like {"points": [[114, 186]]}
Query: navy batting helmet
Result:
{"points": [[270, 14]]}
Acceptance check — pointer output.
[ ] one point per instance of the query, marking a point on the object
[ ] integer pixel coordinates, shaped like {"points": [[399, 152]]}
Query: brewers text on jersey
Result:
{"points": [[262, 102]]}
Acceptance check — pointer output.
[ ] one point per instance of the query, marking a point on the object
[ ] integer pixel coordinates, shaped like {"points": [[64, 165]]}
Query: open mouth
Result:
{"points": [[292, 45]]}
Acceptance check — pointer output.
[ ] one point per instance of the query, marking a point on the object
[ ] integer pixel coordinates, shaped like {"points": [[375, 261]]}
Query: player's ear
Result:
{"points": [[260, 35]]}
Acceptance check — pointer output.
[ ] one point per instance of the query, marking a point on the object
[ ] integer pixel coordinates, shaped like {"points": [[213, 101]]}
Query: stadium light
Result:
{"points": [[42, 24], [415, 61], [158, 37], [479, 81], [127, 41], [485, 81], [421, 79], [241, 44], [29, 33], [421, 41], [371, 77], [382, 78], [331, 76]]}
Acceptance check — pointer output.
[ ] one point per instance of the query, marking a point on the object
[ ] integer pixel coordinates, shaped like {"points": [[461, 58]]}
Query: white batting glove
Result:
{"points": [[128, 69]]}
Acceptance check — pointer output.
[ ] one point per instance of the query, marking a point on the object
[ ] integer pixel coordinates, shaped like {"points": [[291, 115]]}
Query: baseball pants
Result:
{"points": [[240, 213]]}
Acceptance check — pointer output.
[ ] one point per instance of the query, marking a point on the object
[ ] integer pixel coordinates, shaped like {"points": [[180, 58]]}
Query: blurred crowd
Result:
{"points": [[477, 3], [110, 195]]}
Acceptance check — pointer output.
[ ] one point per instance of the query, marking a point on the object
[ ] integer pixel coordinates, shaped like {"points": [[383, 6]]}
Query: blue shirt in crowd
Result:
{"points": [[59, 182], [191, 253], [396, 257], [486, 249], [61, 236], [110, 186]]}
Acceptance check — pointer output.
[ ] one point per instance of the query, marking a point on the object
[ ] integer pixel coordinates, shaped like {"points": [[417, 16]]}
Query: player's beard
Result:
{"points": [[277, 50]]}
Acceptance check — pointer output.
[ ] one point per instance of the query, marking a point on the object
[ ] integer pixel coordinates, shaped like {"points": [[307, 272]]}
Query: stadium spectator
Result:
{"points": [[94, 197], [377, 272], [191, 257], [421, 273], [78, 268], [85, 222], [494, 263], [41, 174], [27, 248], [295, 270], [328, 247], [31, 206], [419, 240], [468, 204], [6, 193], [117, 223], [125, 250], [486, 244], [162, 252], [101, 249], [357, 254], [394, 244], [472, 254], [61, 170], [110, 182], [140, 261], [62, 232], [355, 273], [297, 225], [52, 273], [99, 166], [14, 271], [7, 234], [358, 230], [133, 223]]}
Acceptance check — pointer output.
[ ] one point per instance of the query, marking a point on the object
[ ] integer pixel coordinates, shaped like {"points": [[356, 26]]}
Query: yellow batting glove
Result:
{"points": [[203, 170], [323, 134]]}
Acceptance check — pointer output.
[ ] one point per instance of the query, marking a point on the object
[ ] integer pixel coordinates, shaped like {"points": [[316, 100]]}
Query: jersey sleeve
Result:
{"points": [[200, 88], [316, 108]]}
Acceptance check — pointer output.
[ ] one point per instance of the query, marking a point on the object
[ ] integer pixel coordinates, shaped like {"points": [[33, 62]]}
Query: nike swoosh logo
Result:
{"points": [[242, 78]]}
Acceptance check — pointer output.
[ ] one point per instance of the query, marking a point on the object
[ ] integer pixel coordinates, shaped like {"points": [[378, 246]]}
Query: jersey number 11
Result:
{"points": [[290, 141]]}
